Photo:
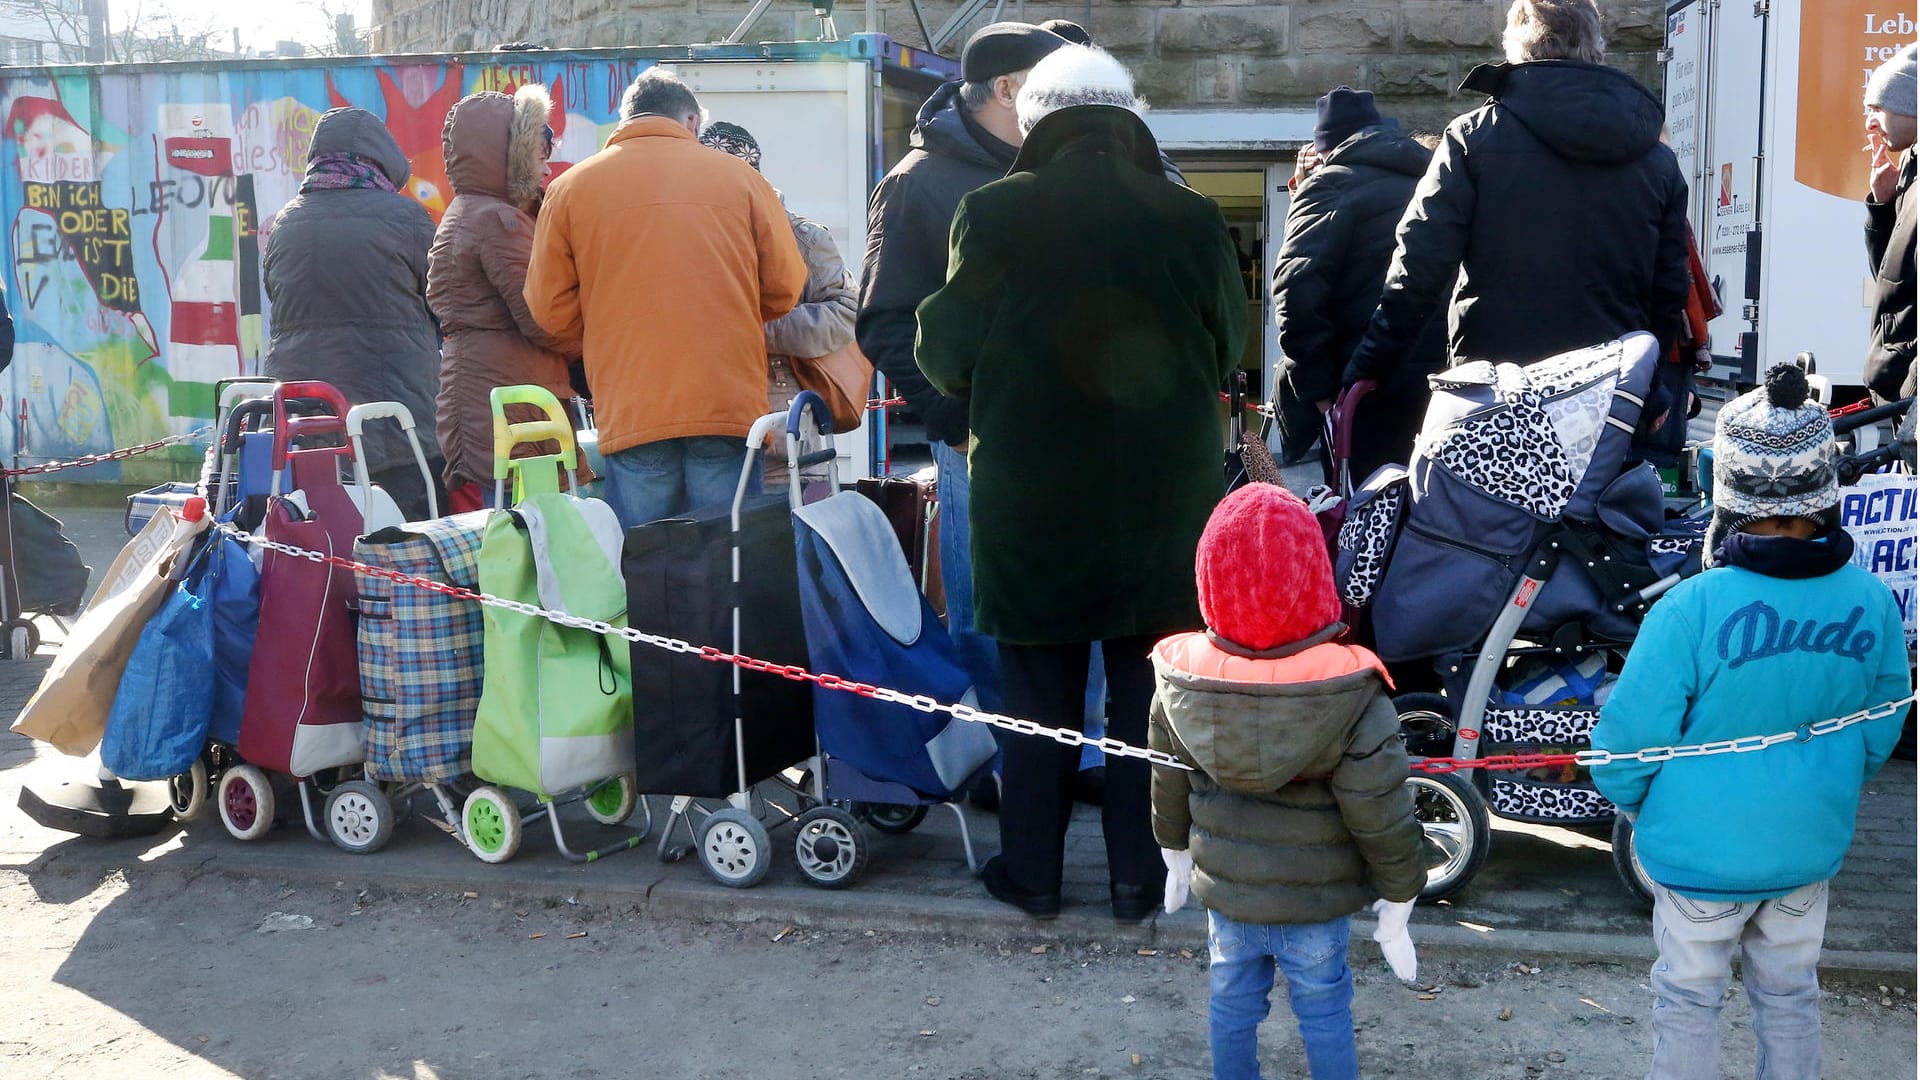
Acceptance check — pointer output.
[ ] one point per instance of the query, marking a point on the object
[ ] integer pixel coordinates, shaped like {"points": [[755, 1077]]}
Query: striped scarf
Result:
{"points": [[332, 172]]}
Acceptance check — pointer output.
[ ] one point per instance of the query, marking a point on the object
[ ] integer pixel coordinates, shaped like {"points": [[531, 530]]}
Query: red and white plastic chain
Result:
{"points": [[885, 403], [1656, 754], [1064, 736], [111, 455], [918, 702]]}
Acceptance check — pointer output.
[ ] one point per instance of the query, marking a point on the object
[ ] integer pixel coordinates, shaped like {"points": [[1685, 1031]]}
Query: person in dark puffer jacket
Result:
{"points": [[1326, 282], [1297, 813], [1552, 214]]}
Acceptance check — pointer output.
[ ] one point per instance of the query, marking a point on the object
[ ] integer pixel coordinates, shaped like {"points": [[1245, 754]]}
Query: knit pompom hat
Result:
{"points": [[1074, 75], [1262, 568], [1773, 456]]}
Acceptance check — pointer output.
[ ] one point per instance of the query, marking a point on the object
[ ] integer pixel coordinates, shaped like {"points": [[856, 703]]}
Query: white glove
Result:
{"points": [[1179, 877], [1391, 932]]}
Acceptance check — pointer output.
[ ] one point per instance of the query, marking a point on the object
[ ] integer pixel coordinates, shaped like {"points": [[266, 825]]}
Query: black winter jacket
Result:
{"points": [[909, 223], [1333, 261], [1890, 253], [1561, 212]]}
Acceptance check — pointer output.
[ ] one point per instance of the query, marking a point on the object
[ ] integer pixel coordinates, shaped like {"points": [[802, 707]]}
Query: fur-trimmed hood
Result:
{"points": [[495, 145]]}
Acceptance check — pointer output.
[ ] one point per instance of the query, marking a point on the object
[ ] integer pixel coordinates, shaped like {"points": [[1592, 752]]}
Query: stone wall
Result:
{"points": [[1185, 53]]}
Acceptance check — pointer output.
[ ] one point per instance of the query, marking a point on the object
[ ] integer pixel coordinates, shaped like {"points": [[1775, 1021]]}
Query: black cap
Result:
{"points": [[1343, 111], [1003, 48], [1072, 31]]}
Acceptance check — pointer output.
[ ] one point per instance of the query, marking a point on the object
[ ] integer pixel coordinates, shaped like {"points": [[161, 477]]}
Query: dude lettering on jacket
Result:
{"points": [[1757, 631]]}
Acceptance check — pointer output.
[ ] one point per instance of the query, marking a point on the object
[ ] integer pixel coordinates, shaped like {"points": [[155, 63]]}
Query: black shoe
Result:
{"points": [[1133, 903], [1038, 905], [1090, 785]]}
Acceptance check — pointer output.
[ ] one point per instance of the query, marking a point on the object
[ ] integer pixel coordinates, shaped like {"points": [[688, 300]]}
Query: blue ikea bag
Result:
{"points": [[231, 583], [158, 723]]}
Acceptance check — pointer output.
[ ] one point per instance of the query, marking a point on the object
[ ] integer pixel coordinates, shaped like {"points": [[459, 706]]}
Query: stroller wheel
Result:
{"points": [[830, 847], [613, 802], [1453, 815], [187, 792], [246, 802], [889, 818], [1426, 724], [734, 848], [359, 817], [492, 824], [1626, 861]]}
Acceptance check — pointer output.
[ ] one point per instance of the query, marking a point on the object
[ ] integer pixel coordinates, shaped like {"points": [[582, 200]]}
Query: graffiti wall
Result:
{"points": [[140, 204]]}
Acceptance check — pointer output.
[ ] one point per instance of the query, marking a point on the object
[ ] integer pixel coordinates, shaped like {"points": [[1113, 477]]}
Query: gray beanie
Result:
{"points": [[1773, 456], [1892, 85]]}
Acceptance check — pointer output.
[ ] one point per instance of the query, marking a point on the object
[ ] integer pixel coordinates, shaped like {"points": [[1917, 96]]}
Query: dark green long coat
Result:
{"points": [[1092, 311]]}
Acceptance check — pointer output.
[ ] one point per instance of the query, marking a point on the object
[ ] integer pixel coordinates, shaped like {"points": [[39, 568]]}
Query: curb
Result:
{"points": [[980, 920]]}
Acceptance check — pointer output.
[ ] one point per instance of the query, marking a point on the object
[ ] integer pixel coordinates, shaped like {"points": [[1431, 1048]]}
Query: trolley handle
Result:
{"points": [[554, 427], [806, 401], [282, 435], [1340, 429], [356, 424]]}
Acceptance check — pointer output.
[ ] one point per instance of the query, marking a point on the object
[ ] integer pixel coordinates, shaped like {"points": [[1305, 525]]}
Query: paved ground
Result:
{"points": [[1545, 891], [158, 973]]}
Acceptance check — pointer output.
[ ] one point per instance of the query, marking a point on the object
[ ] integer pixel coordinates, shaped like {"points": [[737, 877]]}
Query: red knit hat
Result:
{"points": [[1262, 569]]}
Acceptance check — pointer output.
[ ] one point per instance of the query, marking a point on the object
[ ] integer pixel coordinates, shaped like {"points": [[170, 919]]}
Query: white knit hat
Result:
{"points": [[1074, 75]]}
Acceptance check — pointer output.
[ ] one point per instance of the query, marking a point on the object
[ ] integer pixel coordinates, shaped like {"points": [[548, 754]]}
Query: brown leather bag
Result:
{"points": [[844, 377], [912, 509]]}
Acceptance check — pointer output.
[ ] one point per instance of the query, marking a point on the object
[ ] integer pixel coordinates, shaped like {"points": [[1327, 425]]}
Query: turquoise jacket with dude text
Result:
{"points": [[1730, 654]]}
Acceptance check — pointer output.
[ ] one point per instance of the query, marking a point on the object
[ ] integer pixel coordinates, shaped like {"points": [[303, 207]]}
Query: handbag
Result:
{"points": [[843, 377]]}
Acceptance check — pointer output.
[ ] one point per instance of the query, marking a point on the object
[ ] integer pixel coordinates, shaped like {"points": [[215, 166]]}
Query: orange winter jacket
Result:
{"points": [[668, 259]]}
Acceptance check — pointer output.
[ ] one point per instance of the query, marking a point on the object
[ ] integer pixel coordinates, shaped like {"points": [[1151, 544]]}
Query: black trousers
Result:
{"points": [[1048, 684]]}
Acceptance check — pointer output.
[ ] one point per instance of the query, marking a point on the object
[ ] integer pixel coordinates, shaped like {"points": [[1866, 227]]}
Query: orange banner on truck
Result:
{"points": [[1841, 43]]}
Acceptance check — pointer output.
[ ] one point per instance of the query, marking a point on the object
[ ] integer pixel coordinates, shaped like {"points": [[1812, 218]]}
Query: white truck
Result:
{"points": [[1764, 110]]}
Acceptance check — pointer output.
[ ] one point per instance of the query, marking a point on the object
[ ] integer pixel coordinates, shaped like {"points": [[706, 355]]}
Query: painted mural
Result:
{"points": [[139, 206]]}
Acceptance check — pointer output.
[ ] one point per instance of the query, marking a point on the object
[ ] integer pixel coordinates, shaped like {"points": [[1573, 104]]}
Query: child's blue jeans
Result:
{"points": [[1313, 956]]}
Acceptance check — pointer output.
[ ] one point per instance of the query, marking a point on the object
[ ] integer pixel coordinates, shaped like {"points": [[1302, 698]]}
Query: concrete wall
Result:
{"points": [[1185, 53]]}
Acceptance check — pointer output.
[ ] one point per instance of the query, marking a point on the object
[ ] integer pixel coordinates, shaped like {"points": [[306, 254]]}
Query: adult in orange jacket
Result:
{"points": [[667, 258]]}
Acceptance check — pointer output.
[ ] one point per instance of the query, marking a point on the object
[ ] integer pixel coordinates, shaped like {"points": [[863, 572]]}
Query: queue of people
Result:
{"points": [[1060, 313]]}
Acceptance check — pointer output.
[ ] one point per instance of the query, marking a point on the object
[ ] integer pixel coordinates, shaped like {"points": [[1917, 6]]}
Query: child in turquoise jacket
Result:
{"points": [[1780, 632]]}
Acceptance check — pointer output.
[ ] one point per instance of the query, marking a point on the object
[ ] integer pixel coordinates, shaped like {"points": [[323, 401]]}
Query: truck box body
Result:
{"points": [[1764, 108]]}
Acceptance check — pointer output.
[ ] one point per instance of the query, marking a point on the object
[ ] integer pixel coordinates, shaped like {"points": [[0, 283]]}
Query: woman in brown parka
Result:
{"points": [[496, 148]]}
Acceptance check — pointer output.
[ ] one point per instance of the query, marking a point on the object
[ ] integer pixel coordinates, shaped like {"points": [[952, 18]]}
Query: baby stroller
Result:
{"points": [[1514, 556], [703, 730]]}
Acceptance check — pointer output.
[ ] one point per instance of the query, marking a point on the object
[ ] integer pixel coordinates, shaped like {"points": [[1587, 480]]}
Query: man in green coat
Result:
{"points": [[1091, 313]]}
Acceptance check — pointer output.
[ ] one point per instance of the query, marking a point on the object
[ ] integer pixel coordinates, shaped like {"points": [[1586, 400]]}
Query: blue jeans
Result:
{"points": [[1313, 956], [978, 653], [1780, 942], [1095, 722], [674, 476]]}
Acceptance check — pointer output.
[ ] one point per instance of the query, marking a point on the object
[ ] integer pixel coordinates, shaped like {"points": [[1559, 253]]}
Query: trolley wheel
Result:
{"points": [[613, 802], [1453, 815], [246, 802], [359, 817], [830, 847], [1626, 862], [734, 848], [491, 824], [22, 638], [891, 818], [187, 792], [1426, 724]]}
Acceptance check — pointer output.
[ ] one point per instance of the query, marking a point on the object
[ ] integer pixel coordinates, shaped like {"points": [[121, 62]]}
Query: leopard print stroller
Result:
{"points": [[1509, 563]]}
